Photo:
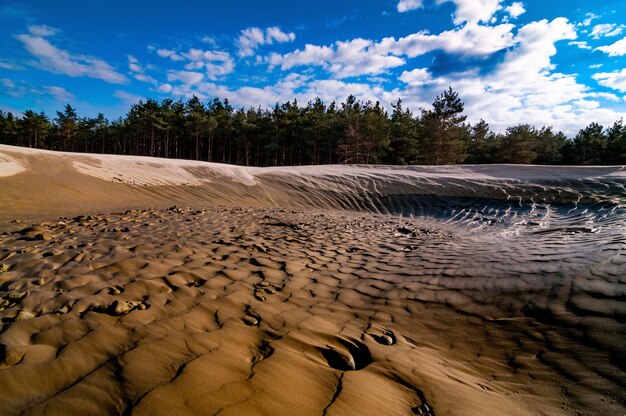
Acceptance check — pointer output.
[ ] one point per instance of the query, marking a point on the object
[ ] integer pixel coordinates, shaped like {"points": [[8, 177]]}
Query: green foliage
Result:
{"points": [[443, 132], [590, 144], [616, 143], [290, 134], [403, 142], [519, 144]]}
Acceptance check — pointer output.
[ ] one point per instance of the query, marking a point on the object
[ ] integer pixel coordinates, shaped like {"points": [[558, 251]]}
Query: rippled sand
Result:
{"points": [[322, 290]]}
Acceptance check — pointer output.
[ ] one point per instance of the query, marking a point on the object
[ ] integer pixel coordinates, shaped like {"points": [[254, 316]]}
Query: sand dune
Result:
{"points": [[333, 290]]}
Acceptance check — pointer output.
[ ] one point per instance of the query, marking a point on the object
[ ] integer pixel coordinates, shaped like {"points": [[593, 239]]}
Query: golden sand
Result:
{"points": [[253, 296]]}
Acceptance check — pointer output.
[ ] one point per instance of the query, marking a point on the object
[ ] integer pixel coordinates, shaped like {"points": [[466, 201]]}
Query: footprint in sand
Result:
{"points": [[9, 358], [385, 338], [115, 290], [347, 355], [423, 410], [262, 289], [62, 310], [251, 319], [121, 307]]}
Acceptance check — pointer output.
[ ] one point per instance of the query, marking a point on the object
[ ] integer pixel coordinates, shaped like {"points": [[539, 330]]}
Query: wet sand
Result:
{"points": [[242, 299]]}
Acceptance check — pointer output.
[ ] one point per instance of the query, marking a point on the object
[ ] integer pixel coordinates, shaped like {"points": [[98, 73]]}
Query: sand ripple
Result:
{"points": [[236, 311]]}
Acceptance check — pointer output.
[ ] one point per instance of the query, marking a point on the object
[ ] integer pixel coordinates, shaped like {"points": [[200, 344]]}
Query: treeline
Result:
{"points": [[289, 134]]}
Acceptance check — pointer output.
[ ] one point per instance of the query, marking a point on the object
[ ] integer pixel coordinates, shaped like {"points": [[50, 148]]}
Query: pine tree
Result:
{"points": [[444, 134], [519, 144], [67, 123], [616, 143], [590, 143], [403, 143]]}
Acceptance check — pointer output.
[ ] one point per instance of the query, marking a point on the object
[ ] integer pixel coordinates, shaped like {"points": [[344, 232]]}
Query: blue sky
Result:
{"points": [[543, 62]]}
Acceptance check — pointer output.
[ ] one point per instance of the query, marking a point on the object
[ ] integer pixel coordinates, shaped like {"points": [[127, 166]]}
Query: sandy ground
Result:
{"points": [[265, 292]]}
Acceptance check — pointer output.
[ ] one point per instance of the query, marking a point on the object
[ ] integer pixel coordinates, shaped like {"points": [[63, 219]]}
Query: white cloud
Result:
{"points": [[168, 53], [406, 5], [186, 77], [589, 18], [616, 49], [606, 30], [537, 45], [138, 71], [59, 93], [145, 78], [615, 80], [208, 40], [604, 95], [580, 45], [275, 34], [469, 40], [416, 77], [595, 66], [16, 89], [366, 57], [42, 30], [53, 59], [515, 10], [213, 63], [342, 59], [310, 55], [473, 11], [166, 88], [10, 65], [127, 97], [298, 86], [523, 88], [253, 37], [7, 82]]}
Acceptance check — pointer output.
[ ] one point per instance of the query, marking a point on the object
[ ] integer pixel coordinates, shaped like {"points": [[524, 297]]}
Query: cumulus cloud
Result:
{"points": [[515, 10], [616, 49], [250, 39], [473, 11], [365, 57], [406, 5], [469, 40], [213, 63], [606, 30], [416, 77], [525, 85], [168, 53], [580, 45], [342, 59], [615, 80], [53, 59]]}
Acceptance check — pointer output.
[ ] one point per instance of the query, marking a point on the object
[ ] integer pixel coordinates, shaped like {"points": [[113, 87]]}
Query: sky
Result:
{"points": [[542, 62]]}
